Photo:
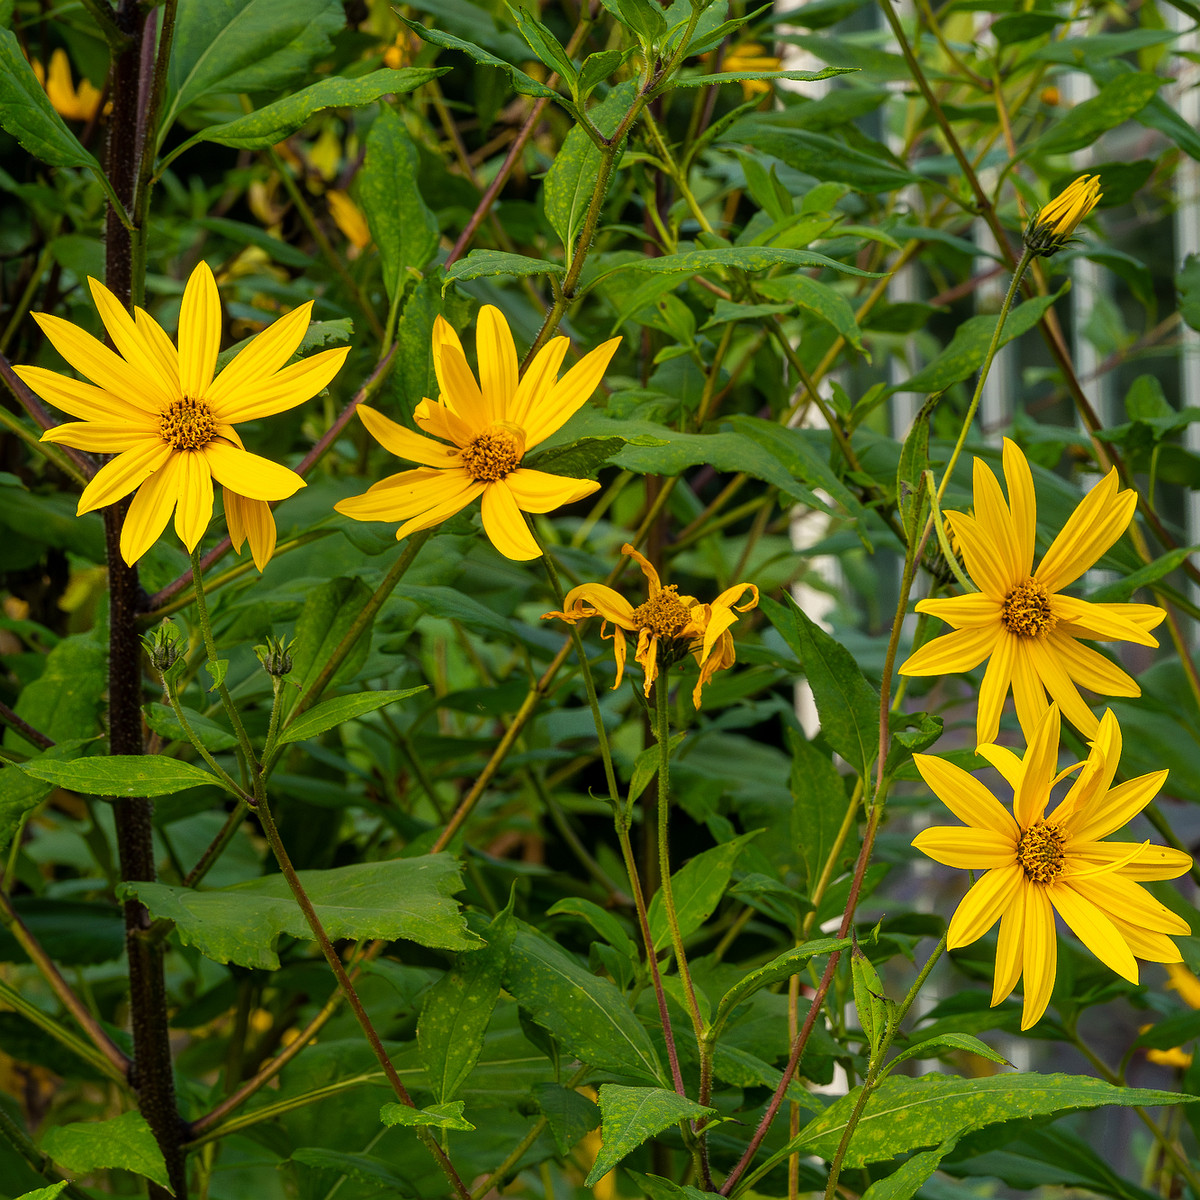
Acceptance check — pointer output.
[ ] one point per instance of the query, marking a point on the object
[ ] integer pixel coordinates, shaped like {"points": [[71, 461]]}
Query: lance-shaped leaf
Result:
{"points": [[125, 1141], [633, 1114], [121, 775]]}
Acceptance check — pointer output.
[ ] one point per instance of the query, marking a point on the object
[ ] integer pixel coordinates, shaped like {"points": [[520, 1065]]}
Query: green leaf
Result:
{"points": [[363, 1168], [46, 1193], [698, 887], [1119, 100], [911, 499], [270, 125], [633, 1114], [163, 721], [598, 67], [64, 702], [121, 775], [819, 804], [458, 1009], [404, 229], [819, 298], [903, 1114], [325, 619], [587, 1014], [968, 348], [600, 919], [125, 1141], [580, 459], [645, 766], [216, 671], [440, 1116], [693, 81], [402, 898], [244, 46], [21, 793], [869, 1001], [950, 1041], [544, 44], [27, 114], [523, 84], [482, 264], [1122, 589], [848, 705], [340, 709], [571, 1116], [906, 1179], [742, 258], [643, 17]]}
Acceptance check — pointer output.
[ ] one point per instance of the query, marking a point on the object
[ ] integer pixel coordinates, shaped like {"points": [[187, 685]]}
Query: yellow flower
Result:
{"points": [[750, 56], [1052, 226], [489, 426], [169, 423], [1019, 617], [668, 626], [1188, 987], [349, 219], [76, 104], [1035, 864]]}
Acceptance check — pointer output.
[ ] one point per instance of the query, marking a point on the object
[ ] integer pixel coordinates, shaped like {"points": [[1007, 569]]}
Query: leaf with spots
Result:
{"points": [[633, 1114]]}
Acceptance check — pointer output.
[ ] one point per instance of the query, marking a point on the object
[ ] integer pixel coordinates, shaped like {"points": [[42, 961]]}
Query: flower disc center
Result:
{"points": [[1026, 610], [1040, 852], [665, 615], [188, 424], [492, 454]]}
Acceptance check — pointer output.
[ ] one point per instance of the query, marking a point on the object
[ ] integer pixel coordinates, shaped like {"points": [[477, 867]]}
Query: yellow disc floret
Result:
{"points": [[1040, 852], [1026, 610], [492, 454], [664, 614], [188, 424]]}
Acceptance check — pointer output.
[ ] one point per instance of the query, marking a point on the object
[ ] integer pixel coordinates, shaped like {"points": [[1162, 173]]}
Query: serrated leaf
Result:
{"points": [[21, 792], [819, 803], [646, 765], [121, 775], [819, 298], [340, 709], [571, 1116], [1122, 589], [633, 1114], [269, 125], [868, 999], [543, 43], [405, 898], [125, 1141], [906, 1179], [217, 671], [950, 1041], [326, 618], [481, 264], [440, 1116], [580, 459], [1119, 99]]}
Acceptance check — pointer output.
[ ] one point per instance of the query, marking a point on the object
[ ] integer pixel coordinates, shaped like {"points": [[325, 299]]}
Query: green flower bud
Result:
{"points": [[164, 645], [275, 656]]}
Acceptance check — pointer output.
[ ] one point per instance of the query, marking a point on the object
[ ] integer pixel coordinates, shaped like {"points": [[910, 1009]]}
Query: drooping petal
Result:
{"points": [[504, 524], [283, 390], [1022, 504], [459, 388], [994, 523], [158, 384], [1152, 947], [975, 610], [95, 360], [1152, 862], [965, 796], [1057, 681], [647, 569], [968, 849], [102, 438], [997, 680], [955, 652], [1118, 806], [1121, 897], [1101, 517], [1040, 954], [120, 476], [596, 599], [647, 656], [984, 905], [85, 400], [498, 366], [1093, 929], [1029, 696], [404, 443], [981, 556], [537, 381], [249, 475], [1010, 951], [262, 357], [550, 410], [150, 510], [1090, 668], [250, 519], [194, 508], [540, 492], [1039, 764], [199, 334]]}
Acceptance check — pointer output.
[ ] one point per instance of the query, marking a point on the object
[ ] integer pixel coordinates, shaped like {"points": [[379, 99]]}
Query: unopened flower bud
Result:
{"points": [[164, 645], [275, 656], [1054, 224]]}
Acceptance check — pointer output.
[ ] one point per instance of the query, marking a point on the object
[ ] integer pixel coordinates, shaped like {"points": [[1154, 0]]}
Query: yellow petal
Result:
{"points": [[194, 508], [102, 438], [253, 519], [1118, 806], [1038, 769], [596, 599], [537, 381], [968, 849], [411, 492], [158, 384], [1040, 954], [958, 651], [1090, 668], [283, 390], [1022, 503], [647, 656], [1093, 929], [199, 334], [150, 510], [965, 796], [459, 388], [984, 905], [982, 557], [551, 410], [440, 512], [1029, 696], [85, 400], [997, 679], [1152, 862], [504, 524], [439, 422], [1053, 674], [540, 492], [444, 334], [1096, 777], [1010, 951], [994, 524], [120, 476], [498, 366], [404, 443], [1004, 760], [1098, 521], [1120, 897], [1105, 622], [647, 566], [1152, 947], [249, 475], [95, 360], [156, 342], [259, 360], [972, 611]]}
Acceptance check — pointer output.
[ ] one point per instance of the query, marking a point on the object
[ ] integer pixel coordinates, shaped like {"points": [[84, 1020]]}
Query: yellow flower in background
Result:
{"points": [[80, 103], [1019, 618], [348, 217], [1053, 224], [485, 429], [749, 56], [170, 423], [1034, 865], [668, 626], [1181, 980]]}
